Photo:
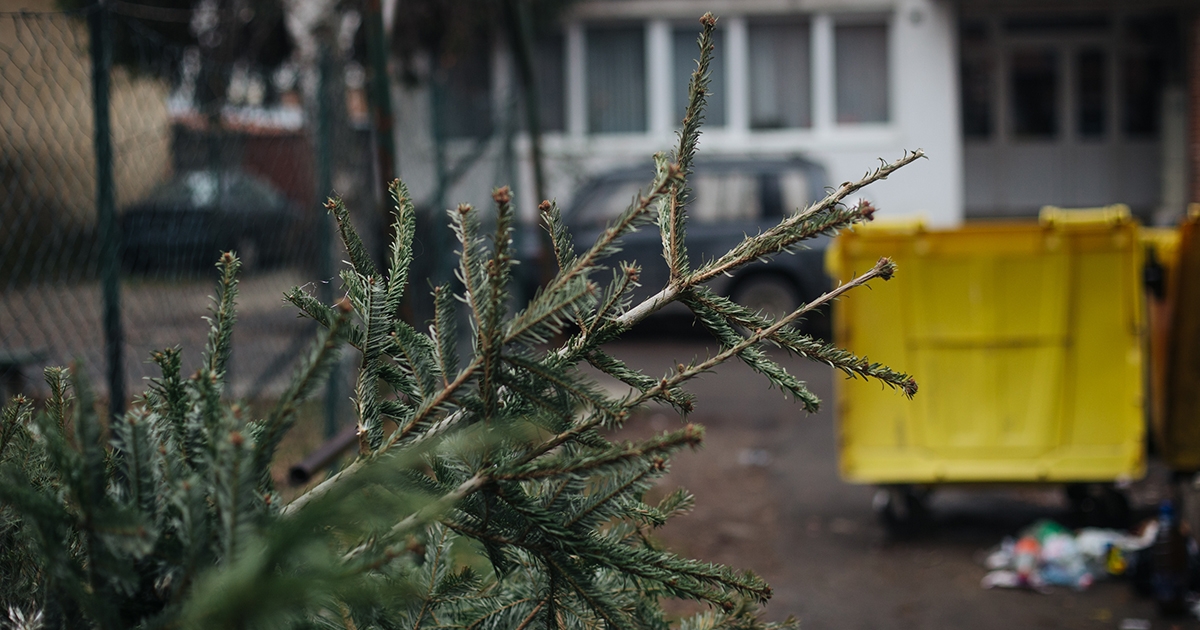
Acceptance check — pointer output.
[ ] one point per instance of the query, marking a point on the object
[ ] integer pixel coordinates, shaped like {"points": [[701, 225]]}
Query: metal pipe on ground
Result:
{"points": [[323, 456]]}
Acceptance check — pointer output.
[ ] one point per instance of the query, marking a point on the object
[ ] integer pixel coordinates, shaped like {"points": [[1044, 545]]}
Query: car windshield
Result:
{"points": [[720, 194], [200, 189]]}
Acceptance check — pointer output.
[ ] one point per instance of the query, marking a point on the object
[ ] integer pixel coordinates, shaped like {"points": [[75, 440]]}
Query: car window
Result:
{"points": [[724, 197], [796, 190], [201, 188], [193, 190], [251, 192], [607, 202]]}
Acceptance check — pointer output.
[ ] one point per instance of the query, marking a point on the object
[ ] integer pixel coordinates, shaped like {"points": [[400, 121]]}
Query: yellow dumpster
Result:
{"points": [[1026, 340], [1175, 344]]}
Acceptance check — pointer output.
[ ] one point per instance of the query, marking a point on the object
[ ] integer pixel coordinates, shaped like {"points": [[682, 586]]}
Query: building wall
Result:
{"points": [[47, 157], [921, 93], [1194, 106]]}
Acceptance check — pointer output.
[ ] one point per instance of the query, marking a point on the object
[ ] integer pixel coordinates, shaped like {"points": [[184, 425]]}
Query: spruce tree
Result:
{"points": [[488, 492]]}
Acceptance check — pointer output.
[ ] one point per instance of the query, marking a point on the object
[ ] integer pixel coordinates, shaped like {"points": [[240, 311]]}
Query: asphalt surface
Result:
{"points": [[768, 494], [769, 499]]}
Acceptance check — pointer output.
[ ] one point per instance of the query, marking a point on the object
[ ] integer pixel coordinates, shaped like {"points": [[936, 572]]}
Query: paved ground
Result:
{"points": [[63, 322], [769, 499]]}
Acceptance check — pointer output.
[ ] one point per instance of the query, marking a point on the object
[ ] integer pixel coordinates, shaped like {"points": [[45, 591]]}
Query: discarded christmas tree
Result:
{"points": [[487, 492]]}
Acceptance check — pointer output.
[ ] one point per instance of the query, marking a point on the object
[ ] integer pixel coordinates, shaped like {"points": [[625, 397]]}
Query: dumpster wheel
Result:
{"points": [[1098, 504], [903, 509]]}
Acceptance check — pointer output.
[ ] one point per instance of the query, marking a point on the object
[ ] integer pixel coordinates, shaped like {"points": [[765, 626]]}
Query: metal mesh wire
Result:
{"points": [[189, 181]]}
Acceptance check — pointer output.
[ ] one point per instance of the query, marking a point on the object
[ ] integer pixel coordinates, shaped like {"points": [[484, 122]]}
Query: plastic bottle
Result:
{"points": [[1169, 577], [1025, 561]]}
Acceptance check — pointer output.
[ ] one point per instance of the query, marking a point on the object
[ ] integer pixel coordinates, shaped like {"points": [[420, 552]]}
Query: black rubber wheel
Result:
{"points": [[249, 253], [1098, 504], [903, 510], [772, 295]]}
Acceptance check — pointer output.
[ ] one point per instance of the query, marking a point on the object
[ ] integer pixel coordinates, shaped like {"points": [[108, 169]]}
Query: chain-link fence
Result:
{"points": [[192, 174]]}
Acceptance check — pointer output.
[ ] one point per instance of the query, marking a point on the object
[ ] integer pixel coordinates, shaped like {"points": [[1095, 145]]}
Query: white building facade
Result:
{"points": [[1017, 103], [843, 83]]}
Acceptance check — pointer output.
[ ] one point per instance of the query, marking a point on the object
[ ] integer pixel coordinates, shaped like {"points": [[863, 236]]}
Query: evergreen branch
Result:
{"points": [[465, 224], [432, 403], [552, 408], [600, 500], [672, 210], [216, 352], [168, 397], [752, 356], [647, 452], [395, 409], [439, 549], [615, 297], [532, 615], [547, 313], [613, 618], [474, 625], [677, 397], [742, 615], [132, 448], [803, 345], [322, 314], [498, 270], [574, 385], [404, 228], [792, 229], [633, 217], [424, 516], [60, 393], [12, 421], [89, 443], [370, 424], [676, 503], [235, 492], [360, 258], [311, 374], [787, 233], [884, 268], [445, 332], [420, 359], [564, 248], [419, 416]]}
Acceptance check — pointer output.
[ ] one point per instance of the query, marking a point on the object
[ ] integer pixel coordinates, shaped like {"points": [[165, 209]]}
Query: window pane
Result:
{"points": [[616, 79], [797, 191], [724, 197], [861, 63], [606, 204], [1141, 93], [780, 76], [550, 69], [1092, 68], [977, 96], [467, 95], [684, 58], [1034, 88]]}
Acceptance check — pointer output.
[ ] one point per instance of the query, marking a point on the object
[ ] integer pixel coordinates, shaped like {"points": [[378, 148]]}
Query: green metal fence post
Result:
{"points": [[324, 230], [381, 108], [101, 51]]}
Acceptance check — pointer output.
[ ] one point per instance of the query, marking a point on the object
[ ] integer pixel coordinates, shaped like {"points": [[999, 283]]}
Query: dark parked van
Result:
{"points": [[730, 199]]}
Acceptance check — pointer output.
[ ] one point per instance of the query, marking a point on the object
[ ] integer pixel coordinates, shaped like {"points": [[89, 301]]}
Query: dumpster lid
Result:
{"points": [[1054, 216]]}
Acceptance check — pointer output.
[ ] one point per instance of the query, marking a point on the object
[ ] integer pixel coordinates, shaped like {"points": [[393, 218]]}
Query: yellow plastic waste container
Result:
{"points": [[1026, 340], [1175, 344]]}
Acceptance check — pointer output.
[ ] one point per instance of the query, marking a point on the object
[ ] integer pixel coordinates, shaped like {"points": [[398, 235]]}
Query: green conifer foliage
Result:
{"points": [[487, 492]]}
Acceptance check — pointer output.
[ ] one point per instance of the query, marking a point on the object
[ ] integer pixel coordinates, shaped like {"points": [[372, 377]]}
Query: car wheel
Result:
{"points": [[903, 510], [248, 252], [773, 296]]}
